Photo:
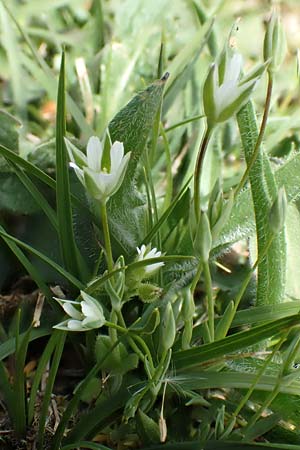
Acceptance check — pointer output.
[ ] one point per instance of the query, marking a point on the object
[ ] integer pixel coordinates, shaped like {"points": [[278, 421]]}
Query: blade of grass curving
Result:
{"points": [[231, 380], [9, 347], [19, 380], [31, 270], [74, 402], [36, 194], [193, 357], [46, 355], [99, 417], [60, 342], [30, 168], [184, 122], [69, 249], [272, 268]]}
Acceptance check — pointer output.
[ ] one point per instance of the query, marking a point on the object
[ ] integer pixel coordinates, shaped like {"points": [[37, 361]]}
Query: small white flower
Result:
{"points": [[99, 181], [144, 253], [225, 89], [85, 315]]}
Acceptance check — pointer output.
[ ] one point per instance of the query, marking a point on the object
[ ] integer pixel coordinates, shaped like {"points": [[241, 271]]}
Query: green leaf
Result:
{"points": [[241, 223], [195, 356], [132, 125], [69, 249], [272, 269]]}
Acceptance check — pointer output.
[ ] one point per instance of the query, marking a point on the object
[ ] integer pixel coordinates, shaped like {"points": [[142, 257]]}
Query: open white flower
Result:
{"points": [[144, 253], [84, 315], [101, 182]]}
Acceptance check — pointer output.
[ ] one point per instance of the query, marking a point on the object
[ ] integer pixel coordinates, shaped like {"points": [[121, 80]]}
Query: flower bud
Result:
{"points": [[188, 305], [278, 211], [274, 43], [167, 330], [148, 293], [203, 238]]}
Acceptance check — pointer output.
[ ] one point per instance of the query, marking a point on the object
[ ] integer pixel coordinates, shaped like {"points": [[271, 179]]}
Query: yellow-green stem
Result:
{"points": [[198, 169], [107, 243], [210, 300], [260, 136]]}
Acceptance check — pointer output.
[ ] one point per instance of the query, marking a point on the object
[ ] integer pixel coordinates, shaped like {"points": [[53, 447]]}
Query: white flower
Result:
{"points": [[225, 90], [90, 317], [101, 182], [145, 253]]}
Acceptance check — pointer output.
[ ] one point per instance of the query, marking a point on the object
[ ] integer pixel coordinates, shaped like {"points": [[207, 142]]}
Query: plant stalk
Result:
{"points": [[198, 169], [107, 243], [260, 136]]}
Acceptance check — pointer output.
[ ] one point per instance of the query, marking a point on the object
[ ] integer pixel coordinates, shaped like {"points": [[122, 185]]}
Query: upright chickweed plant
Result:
{"points": [[162, 335]]}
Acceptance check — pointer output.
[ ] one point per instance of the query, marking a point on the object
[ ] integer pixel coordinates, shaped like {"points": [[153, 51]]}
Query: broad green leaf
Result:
{"points": [[241, 223], [272, 269], [293, 253], [132, 126]]}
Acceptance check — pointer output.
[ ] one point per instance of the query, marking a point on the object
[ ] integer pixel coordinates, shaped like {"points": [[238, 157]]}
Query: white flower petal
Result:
{"points": [[78, 172], [75, 325], [116, 156], [94, 153], [72, 311]]}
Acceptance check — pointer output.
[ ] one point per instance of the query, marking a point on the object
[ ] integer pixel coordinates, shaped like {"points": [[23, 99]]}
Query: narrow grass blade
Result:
{"points": [[166, 214], [38, 197], [15, 243], [32, 271], [9, 347], [19, 382], [195, 356], [46, 355], [61, 337], [64, 210]]}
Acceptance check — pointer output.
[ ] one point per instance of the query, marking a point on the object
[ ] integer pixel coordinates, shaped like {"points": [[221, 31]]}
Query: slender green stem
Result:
{"points": [[198, 168], [277, 386], [107, 243], [210, 300], [260, 136], [196, 278], [258, 376], [248, 278]]}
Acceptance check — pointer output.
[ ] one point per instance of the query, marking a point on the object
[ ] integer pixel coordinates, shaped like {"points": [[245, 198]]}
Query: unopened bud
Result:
{"points": [[274, 43]]}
